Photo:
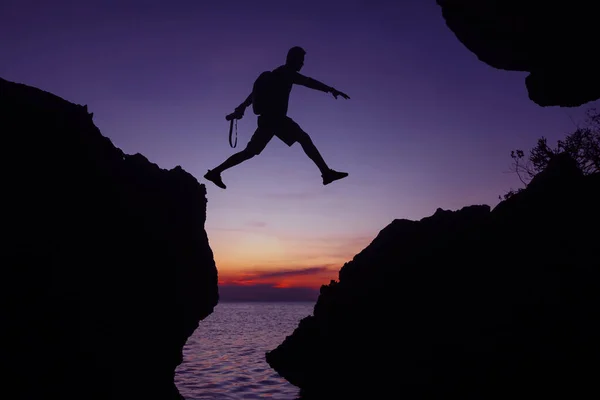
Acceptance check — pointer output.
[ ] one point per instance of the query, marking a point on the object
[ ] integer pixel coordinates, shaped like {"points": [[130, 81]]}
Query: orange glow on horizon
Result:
{"points": [[308, 280], [282, 261]]}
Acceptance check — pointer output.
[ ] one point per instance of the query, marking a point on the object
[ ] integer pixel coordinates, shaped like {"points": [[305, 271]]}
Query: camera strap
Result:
{"points": [[231, 143]]}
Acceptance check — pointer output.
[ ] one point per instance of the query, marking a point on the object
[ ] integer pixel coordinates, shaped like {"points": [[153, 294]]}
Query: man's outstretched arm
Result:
{"points": [[311, 83], [315, 84]]}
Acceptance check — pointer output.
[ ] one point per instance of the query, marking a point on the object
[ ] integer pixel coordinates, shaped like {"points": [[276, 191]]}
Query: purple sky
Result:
{"points": [[427, 126]]}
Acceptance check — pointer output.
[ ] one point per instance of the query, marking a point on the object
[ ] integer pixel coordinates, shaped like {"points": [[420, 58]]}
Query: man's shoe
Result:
{"points": [[215, 178], [332, 175]]}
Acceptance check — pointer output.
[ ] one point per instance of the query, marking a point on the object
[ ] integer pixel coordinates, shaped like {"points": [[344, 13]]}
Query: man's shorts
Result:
{"points": [[285, 128]]}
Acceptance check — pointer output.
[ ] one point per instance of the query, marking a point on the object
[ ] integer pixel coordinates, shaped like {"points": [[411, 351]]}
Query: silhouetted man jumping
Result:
{"points": [[273, 93]]}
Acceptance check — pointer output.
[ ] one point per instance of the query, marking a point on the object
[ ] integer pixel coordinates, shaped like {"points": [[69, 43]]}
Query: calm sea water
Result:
{"points": [[225, 357]]}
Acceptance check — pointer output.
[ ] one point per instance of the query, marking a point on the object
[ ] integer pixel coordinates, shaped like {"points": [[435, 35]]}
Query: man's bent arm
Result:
{"points": [[246, 103], [311, 83]]}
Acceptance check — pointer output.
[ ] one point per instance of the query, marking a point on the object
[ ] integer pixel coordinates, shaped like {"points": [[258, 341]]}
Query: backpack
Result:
{"points": [[262, 92]]}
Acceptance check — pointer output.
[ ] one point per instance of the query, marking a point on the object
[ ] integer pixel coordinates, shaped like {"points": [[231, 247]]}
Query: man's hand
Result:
{"points": [[237, 114], [239, 111], [337, 93]]}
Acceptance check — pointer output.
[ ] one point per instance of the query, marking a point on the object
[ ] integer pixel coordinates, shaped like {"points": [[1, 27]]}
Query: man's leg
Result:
{"points": [[313, 153], [233, 160], [255, 146]]}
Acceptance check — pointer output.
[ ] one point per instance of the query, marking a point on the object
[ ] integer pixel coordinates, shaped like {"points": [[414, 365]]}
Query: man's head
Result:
{"points": [[295, 58]]}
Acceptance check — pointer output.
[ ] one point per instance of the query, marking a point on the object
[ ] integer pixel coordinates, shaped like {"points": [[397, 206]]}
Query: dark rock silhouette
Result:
{"points": [[556, 42], [107, 269], [473, 304]]}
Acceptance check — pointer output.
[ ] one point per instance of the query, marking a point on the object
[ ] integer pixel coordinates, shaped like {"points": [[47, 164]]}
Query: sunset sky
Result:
{"points": [[427, 125]]}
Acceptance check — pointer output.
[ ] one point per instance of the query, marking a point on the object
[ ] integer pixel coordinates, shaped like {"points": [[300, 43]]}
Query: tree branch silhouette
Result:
{"points": [[583, 145]]}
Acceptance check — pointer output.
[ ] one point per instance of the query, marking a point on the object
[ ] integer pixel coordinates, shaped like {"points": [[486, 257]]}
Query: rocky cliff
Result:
{"points": [[475, 303], [556, 41], [106, 269]]}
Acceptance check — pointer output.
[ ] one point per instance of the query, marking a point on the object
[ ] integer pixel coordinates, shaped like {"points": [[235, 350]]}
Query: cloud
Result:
{"points": [[266, 292], [247, 227], [306, 195], [289, 273], [342, 247], [293, 196], [217, 229], [309, 279], [256, 224], [351, 240]]}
